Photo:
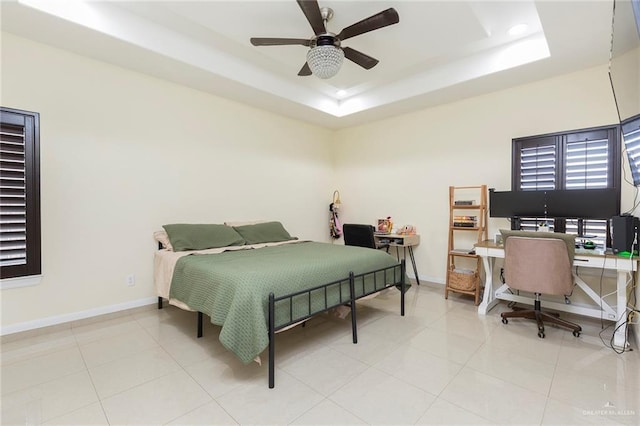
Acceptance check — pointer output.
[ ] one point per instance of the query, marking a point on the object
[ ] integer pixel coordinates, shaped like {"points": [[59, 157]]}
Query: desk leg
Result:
{"points": [[619, 336], [413, 262], [488, 298]]}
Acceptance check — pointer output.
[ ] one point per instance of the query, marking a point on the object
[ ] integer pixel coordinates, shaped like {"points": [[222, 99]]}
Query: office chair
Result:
{"points": [[540, 264], [361, 235]]}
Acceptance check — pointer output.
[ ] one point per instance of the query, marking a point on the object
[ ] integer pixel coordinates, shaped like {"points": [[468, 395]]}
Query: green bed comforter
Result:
{"points": [[233, 287]]}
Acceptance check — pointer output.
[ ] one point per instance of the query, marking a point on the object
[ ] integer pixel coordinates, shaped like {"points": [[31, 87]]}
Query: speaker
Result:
{"points": [[624, 231]]}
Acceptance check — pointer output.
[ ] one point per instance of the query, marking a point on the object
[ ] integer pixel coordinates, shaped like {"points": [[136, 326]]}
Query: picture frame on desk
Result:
{"points": [[384, 226]]}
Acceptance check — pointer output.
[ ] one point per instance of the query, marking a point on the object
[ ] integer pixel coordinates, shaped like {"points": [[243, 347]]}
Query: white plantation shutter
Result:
{"points": [[19, 194]]}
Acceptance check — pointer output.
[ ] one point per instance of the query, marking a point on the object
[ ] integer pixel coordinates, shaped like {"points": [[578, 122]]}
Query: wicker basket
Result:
{"points": [[466, 281]]}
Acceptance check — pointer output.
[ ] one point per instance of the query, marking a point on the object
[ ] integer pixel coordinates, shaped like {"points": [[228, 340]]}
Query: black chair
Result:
{"points": [[361, 236]]}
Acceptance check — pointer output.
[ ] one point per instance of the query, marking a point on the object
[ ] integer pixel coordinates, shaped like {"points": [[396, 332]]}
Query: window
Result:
{"points": [[19, 193], [580, 159]]}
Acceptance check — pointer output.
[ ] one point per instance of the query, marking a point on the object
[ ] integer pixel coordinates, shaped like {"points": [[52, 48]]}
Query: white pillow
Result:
{"points": [[163, 238]]}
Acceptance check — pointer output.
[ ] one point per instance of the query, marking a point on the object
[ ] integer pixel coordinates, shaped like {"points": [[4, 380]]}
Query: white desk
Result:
{"points": [[624, 268], [406, 241]]}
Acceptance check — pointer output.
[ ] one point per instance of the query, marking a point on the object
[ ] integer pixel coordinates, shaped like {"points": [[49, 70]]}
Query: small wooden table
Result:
{"points": [[406, 241]]}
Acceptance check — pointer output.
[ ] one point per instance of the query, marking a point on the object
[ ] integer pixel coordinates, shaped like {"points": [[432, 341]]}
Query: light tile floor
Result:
{"points": [[440, 364]]}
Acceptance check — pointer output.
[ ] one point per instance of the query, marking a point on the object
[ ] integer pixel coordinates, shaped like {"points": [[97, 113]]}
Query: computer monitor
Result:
{"points": [[583, 203], [516, 203]]}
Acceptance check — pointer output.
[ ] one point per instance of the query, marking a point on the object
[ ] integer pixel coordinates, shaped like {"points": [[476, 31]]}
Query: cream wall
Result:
{"points": [[625, 75], [402, 167], [123, 153]]}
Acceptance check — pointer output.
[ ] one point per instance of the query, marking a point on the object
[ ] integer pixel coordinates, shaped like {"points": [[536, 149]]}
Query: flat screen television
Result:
{"points": [[516, 203], [583, 203], [630, 130], [624, 68]]}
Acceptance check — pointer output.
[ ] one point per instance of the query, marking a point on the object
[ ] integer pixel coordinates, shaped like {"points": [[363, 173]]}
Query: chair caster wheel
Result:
{"points": [[541, 334], [576, 333], [505, 321]]}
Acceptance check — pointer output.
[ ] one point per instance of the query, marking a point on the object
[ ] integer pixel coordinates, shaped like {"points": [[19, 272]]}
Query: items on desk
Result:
{"points": [[543, 227], [385, 225], [497, 238], [407, 230], [625, 233]]}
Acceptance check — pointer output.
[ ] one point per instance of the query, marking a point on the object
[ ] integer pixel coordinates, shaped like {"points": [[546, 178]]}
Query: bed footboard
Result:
{"points": [[359, 286]]}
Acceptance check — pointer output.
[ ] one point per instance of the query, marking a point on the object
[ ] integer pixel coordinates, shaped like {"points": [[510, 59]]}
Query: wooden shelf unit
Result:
{"points": [[466, 281]]}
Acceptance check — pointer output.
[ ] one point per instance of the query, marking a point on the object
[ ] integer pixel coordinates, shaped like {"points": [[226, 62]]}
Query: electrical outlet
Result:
{"points": [[130, 280]]}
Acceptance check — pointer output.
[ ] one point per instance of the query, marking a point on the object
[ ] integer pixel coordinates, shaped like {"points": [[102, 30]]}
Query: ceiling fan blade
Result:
{"points": [[305, 70], [379, 20], [267, 41], [365, 61], [311, 10]]}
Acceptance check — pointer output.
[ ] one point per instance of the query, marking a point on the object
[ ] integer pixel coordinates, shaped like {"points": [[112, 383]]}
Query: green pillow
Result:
{"points": [[266, 232], [200, 237]]}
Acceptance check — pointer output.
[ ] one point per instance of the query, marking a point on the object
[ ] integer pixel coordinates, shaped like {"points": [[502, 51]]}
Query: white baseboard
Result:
{"points": [[434, 280], [61, 319]]}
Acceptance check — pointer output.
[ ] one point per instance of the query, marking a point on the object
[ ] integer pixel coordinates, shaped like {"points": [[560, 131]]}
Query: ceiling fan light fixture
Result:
{"points": [[325, 61]]}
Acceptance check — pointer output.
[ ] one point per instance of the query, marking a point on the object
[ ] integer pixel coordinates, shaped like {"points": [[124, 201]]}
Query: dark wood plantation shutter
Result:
{"points": [[537, 164], [19, 193], [587, 160], [588, 165], [578, 159]]}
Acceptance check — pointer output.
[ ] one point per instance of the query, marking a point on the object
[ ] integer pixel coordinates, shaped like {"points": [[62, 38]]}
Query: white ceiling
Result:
{"points": [[439, 52]]}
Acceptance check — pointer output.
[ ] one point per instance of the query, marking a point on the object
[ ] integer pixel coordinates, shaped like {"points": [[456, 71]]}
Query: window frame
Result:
{"points": [[560, 141], [31, 122]]}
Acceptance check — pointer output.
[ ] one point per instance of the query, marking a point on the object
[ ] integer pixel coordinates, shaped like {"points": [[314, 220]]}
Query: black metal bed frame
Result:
{"points": [[398, 272]]}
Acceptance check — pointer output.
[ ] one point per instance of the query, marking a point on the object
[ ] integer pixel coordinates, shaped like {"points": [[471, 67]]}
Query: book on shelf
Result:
{"points": [[465, 221], [463, 251]]}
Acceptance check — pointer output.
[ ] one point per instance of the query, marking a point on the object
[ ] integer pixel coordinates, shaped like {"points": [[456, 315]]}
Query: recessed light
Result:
{"points": [[518, 29], [340, 93]]}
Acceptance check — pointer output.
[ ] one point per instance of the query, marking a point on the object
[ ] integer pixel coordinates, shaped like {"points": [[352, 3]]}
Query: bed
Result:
{"points": [[264, 281]]}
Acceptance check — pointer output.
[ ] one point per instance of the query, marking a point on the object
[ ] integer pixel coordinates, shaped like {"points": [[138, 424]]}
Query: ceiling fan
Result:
{"points": [[325, 54]]}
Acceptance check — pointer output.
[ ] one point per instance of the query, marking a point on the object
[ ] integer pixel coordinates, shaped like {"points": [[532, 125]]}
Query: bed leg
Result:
{"points": [[403, 285], [352, 294], [159, 302], [199, 324], [272, 341]]}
